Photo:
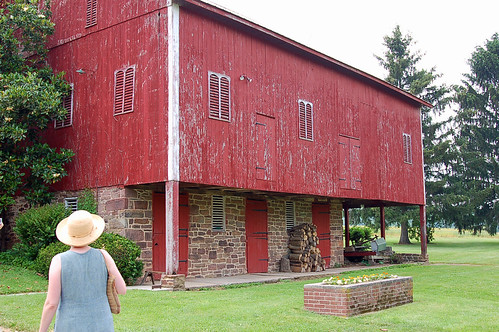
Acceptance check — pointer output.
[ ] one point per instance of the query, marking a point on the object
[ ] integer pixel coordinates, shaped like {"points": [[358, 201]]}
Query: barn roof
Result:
{"points": [[231, 18]]}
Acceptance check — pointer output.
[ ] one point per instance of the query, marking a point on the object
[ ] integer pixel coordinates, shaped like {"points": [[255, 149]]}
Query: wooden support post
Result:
{"points": [[172, 185], [171, 227], [347, 228], [422, 219], [382, 221]]}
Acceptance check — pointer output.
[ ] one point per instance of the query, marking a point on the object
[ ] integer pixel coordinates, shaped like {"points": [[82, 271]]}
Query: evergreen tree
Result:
{"points": [[473, 198], [403, 72]]}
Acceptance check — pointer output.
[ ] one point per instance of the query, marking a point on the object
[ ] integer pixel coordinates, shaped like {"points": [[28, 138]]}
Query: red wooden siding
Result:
{"points": [[73, 21], [260, 80], [265, 147], [274, 81], [115, 150], [349, 163]]}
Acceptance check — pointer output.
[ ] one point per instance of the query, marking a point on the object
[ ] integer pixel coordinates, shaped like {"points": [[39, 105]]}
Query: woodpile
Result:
{"points": [[304, 256]]}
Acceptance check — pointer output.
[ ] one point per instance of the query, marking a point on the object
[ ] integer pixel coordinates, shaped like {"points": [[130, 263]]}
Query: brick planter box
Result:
{"points": [[355, 299]]}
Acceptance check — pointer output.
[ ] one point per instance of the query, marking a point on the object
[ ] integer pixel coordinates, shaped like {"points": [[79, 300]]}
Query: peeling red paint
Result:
{"points": [[269, 75]]}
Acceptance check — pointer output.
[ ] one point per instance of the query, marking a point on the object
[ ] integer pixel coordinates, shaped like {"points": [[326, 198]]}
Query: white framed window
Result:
{"points": [[71, 203], [290, 215], [67, 103], [219, 96], [218, 213], [306, 120], [91, 13], [407, 146], [124, 86]]}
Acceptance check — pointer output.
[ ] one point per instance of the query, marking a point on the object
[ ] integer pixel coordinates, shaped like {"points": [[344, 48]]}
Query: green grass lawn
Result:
{"points": [[450, 247], [14, 280], [446, 298]]}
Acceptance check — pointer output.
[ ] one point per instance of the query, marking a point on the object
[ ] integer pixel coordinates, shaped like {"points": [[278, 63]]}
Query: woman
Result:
{"points": [[78, 278]]}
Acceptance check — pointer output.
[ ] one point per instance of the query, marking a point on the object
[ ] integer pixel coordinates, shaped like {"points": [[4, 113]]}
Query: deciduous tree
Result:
{"points": [[30, 100]]}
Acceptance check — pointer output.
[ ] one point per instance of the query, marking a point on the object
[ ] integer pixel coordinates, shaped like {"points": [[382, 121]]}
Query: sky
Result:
{"points": [[352, 31]]}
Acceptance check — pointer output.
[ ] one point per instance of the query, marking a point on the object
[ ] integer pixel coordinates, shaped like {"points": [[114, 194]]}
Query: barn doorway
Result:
{"points": [[183, 234], [320, 218], [159, 237], [158, 232], [257, 258]]}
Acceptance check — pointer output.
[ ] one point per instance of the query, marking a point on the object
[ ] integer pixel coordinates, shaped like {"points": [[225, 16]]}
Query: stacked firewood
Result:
{"points": [[304, 256]]}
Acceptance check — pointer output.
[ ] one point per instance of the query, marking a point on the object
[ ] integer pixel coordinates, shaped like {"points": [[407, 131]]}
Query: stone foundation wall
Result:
{"points": [[336, 224], [128, 212], [278, 235], [411, 258], [223, 253], [355, 299], [7, 236], [216, 253]]}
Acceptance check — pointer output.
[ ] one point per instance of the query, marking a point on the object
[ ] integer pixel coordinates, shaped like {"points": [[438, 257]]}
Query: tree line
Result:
{"points": [[461, 151]]}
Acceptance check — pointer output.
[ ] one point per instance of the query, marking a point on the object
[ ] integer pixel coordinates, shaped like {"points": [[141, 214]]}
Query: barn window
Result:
{"points": [[406, 139], [71, 203], [290, 215], [124, 83], [91, 13], [306, 119], [218, 213], [67, 103], [219, 96]]}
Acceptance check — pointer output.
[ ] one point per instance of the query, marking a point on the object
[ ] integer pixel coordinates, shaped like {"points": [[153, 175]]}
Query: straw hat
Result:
{"points": [[80, 228]]}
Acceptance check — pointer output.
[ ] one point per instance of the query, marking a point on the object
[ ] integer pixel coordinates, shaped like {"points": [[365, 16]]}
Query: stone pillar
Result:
{"points": [[337, 250], [347, 228], [173, 281]]}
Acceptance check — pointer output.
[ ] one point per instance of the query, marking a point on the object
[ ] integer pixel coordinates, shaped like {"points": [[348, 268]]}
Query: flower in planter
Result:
{"points": [[335, 280]]}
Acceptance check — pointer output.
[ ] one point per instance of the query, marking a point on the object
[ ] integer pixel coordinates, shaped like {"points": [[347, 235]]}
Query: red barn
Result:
{"points": [[205, 136]]}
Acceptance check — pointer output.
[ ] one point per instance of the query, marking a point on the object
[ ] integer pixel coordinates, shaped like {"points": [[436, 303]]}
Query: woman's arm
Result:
{"points": [[119, 282], [53, 294]]}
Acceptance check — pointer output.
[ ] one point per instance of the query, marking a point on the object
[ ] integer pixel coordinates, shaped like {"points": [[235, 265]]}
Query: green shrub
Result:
{"points": [[359, 235], [16, 257], [414, 233], [124, 252], [45, 255], [87, 202], [35, 228]]}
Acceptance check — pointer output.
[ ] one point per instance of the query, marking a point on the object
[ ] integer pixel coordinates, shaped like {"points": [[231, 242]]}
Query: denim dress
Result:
{"points": [[83, 305]]}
